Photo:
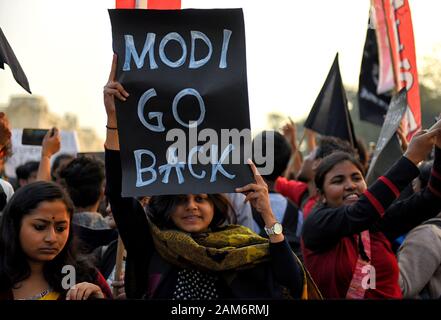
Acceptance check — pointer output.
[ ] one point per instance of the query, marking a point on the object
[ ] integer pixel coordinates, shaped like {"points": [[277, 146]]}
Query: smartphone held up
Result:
{"points": [[34, 137]]}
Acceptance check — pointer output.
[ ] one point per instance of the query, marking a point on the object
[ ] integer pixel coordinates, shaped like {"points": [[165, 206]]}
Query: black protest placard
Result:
{"points": [[185, 71], [388, 149]]}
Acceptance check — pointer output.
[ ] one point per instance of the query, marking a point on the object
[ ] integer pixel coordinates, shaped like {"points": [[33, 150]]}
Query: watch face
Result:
{"points": [[277, 228]]}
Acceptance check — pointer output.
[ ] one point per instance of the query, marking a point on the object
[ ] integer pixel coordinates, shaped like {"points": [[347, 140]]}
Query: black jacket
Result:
{"points": [[264, 281]]}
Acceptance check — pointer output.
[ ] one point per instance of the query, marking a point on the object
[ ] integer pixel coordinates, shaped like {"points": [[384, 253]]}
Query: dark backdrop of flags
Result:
{"points": [[389, 64]]}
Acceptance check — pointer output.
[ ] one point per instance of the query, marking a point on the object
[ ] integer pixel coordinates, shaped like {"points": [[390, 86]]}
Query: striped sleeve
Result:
{"points": [[387, 188], [376, 207]]}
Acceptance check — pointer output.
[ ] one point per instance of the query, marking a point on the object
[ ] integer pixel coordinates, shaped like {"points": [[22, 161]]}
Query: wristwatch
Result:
{"points": [[274, 229]]}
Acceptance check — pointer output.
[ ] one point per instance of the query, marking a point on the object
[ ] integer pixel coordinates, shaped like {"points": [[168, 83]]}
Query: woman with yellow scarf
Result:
{"points": [[183, 246]]}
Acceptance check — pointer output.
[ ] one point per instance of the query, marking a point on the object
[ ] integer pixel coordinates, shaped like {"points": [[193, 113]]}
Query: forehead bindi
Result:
{"points": [[55, 211]]}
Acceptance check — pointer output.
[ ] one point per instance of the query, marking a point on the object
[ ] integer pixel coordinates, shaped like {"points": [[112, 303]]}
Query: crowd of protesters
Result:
{"points": [[311, 229]]}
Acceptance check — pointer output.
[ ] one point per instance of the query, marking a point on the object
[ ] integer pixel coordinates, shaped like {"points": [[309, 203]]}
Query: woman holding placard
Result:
{"points": [[182, 247]]}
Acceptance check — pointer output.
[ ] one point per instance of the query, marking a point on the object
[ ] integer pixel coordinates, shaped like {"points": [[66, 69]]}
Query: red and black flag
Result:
{"points": [[330, 115], [372, 106], [395, 67], [7, 56]]}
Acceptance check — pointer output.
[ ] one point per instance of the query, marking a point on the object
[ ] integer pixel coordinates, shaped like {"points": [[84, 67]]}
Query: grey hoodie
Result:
{"points": [[419, 260]]}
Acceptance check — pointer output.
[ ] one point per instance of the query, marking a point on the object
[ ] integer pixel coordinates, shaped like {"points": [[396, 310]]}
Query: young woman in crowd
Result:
{"points": [[183, 248], [347, 238], [37, 257]]}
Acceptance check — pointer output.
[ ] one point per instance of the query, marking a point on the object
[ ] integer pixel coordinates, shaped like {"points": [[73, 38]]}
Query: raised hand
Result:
{"points": [[422, 143], [290, 133], [51, 143], [257, 194], [402, 137], [111, 90], [437, 126]]}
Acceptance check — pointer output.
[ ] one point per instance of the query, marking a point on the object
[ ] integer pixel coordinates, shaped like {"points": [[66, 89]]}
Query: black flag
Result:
{"points": [[330, 115], [388, 148], [7, 56], [372, 106]]}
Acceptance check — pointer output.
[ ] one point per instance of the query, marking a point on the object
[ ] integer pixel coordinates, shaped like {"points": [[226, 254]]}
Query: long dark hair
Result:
{"points": [[14, 267], [160, 209], [330, 162]]}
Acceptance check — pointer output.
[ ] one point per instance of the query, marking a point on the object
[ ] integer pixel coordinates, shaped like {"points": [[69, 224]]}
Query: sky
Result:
{"points": [[65, 49]]}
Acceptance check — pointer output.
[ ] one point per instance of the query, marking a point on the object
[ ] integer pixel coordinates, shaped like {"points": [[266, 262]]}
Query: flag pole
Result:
{"points": [[118, 264], [349, 126]]}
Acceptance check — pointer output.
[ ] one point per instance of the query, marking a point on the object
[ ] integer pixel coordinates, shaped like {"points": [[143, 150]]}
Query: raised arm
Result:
{"points": [[257, 194], [311, 142], [284, 265], [127, 212], [50, 146], [112, 89], [326, 226], [404, 215], [295, 162]]}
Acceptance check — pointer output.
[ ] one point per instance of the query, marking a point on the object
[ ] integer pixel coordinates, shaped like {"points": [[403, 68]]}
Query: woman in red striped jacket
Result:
{"points": [[347, 238]]}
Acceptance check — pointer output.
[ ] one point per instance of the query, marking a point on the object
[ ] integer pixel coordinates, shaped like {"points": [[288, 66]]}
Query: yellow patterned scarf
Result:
{"points": [[233, 247], [230, 248]]}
